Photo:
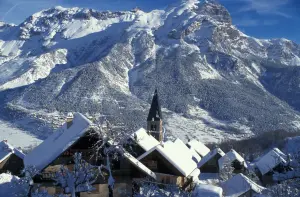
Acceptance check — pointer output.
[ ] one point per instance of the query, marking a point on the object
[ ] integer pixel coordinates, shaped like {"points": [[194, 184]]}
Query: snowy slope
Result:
{"points": [[214, 81]]}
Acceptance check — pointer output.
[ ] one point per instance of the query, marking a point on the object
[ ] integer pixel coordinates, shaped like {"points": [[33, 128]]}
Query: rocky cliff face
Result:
{"points": [[214, 81]]}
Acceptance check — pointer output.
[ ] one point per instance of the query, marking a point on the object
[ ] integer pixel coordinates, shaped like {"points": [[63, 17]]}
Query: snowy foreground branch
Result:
{"points": [[80, 178]]}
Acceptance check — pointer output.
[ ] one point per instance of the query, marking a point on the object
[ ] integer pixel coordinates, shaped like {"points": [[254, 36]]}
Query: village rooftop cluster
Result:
{"points": [[148, 159]]}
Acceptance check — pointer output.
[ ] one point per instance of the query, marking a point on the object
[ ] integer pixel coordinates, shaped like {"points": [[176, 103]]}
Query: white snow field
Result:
{"points": [[17, 137]]}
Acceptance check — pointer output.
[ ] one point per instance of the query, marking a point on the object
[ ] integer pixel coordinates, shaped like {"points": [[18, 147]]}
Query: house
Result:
{"points": [[11, 159], [241, 186], [172, 162], [235, 160], [210, 162], [77, 135], [272, 161], [207, 190], [199, 147]]}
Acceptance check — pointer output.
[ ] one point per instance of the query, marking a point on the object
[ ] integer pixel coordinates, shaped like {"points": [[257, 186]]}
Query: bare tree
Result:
{"points": [[80, 178], [226, 171], [149, 189], [110, 145], [25, 184], [284, 189]]}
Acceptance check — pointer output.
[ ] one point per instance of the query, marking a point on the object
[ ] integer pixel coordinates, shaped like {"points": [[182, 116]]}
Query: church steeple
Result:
{"points": [[155, 110], [154, 120]]}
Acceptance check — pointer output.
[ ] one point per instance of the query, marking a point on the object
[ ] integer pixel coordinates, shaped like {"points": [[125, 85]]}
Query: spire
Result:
{"points": [[155, 110]]}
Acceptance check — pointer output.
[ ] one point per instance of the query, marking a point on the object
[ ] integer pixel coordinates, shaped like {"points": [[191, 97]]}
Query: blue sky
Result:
{"points": [[259, 18]]}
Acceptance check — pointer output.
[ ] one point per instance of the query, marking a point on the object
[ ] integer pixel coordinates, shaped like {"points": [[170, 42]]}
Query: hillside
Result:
{"points": [[214, 81]]}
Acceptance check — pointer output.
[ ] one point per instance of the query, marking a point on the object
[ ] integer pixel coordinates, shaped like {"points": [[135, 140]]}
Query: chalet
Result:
{"points": [[171, 162], [241, 186], [11, 159], [210, 162], [272, 161], [76, 135], [235, 160], [199, 147]]}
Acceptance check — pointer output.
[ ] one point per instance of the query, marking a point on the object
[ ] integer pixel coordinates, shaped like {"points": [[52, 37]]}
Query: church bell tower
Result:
{"points": [[154, 120]]}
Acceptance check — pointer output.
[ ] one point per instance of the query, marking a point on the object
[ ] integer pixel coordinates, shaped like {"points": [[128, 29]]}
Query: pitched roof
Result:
{"points": [[199, 147], [139, 165], [144, 140], [177, 156], [231, 156], [210, 155], [155, 109], [58, 142], [189, 152], [6, 150], [270, 160], [238, 185]]}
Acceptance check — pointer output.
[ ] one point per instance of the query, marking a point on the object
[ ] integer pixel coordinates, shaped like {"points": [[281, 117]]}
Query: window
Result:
{"points": [[153, 127]]}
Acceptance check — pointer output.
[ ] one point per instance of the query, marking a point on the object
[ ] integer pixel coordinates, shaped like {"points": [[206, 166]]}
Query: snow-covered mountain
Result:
{"points": [[214, 81]]}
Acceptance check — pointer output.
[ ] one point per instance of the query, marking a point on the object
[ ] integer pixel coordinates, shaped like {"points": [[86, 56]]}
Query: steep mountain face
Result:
{"points": [[214, 81]]}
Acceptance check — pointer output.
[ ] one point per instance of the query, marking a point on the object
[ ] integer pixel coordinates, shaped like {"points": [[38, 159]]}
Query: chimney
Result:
{"points": [[69, 120]]}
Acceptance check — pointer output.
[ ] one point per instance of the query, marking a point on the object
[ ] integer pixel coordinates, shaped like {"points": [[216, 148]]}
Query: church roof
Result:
{"points": [[155, 109]]}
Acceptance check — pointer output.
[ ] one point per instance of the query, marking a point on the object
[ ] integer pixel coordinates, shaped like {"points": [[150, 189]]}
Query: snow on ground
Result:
{"points": [[204, 128], [17, 137], [7, 188]]}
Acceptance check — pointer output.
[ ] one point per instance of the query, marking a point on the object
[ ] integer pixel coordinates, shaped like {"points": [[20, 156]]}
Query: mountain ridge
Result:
{"points": [[212, 77]]}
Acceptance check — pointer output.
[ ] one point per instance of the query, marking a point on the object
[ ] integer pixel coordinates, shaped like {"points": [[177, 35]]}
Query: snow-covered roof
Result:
{"points": [[210, 155], [231, 156], [207, 191], [6, 150], [240, 184], [145, 140], [139, 165], [270, 160], [180, 157], [58, 142], [189, 152], [199, 147]]}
